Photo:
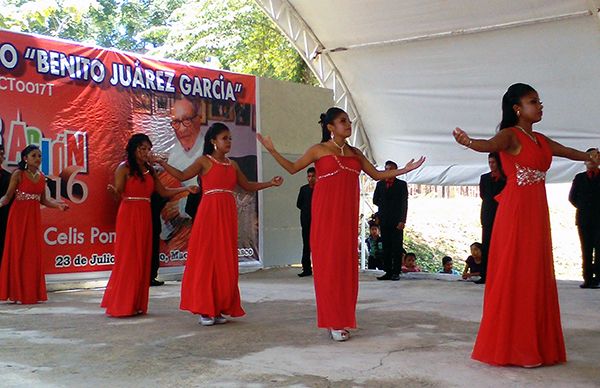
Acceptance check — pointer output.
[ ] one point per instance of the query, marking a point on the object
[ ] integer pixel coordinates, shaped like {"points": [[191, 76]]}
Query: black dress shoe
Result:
{"points": [[155, 283], [385, 276], [395, 277], [304, 273], [588, 285]]}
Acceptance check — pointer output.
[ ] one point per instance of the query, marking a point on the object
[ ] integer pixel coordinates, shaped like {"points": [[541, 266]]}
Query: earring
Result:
{"points": [[214, 145], [25, 165], [518, 113]]}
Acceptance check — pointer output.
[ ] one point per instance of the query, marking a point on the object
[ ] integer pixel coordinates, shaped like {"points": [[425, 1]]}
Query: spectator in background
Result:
{"points": [[391, 197], [410, 263], [4, 181], [490, 185], [375, 246], [448, 266], [156, 205], [474, 262], [585, 196], [303, 203]]}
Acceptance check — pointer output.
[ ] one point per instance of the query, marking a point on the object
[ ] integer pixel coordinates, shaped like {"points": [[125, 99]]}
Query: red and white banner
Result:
{"points": [[80, 104]]}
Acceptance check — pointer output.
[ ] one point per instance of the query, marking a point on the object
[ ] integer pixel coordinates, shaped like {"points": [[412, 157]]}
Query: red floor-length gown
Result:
{"points": [[210, 280], [128, 287], [22, 271], [521, 316], [334, 240]]}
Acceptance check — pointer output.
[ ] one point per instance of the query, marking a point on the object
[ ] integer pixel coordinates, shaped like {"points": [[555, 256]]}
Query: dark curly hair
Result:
{"points": [[134, 142], [26, 151], [513, 97], [327, 118], [212, 133]]}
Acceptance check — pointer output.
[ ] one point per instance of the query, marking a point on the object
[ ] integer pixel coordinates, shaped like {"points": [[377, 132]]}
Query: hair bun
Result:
{"points": [[322, 118]]}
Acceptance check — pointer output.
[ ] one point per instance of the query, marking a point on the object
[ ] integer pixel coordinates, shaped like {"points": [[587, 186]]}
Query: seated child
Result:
{"points": [[410, 263], [473, 263], [448, 266], [375, 247]]}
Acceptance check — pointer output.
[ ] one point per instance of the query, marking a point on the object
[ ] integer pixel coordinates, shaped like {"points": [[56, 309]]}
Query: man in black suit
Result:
{"points": [[304, 204], [4, 181], [490, 185], [391, 197], [156, 205], [585, 196]]}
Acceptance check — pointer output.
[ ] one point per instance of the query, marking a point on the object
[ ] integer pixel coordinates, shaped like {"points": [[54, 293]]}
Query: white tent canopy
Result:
{"points": [[409, 71]]}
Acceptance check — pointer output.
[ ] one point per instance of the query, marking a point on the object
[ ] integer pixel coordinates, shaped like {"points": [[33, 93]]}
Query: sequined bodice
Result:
{"points": [[530, 165], [28, 190], [330, 165]]}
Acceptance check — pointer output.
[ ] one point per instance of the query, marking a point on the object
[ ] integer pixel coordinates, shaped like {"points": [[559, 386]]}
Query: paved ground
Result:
{"points": [[413, 333]]}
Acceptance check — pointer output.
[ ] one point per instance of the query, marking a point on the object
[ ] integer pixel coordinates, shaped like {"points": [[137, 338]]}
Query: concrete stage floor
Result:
{"points": [[412, 333]]}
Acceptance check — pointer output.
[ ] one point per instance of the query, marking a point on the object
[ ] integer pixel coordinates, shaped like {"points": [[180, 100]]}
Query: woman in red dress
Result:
{"points": [[334, 222], [127, 289], [521, 316], [210, 280], [22, 271]]}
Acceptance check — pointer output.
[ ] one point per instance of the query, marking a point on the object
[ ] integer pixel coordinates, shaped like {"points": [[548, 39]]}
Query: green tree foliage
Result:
{"points": [[229, 34], [56, 19]]}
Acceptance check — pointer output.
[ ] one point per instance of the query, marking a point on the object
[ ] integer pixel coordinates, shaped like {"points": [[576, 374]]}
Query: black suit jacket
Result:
{"points": [[585, 196], [392, 202], [488, 189], [4, 182], [304, 204]]}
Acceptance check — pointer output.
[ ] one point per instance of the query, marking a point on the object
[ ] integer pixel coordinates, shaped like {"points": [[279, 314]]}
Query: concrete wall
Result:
{"points": [[289, 113]]}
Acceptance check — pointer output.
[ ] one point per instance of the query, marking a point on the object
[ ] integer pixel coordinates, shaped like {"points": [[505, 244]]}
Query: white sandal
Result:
{"points": [[206, 320], [339, 335]]}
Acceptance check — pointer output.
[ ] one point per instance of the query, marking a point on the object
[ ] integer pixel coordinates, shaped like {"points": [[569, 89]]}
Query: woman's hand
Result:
{"points": [[62, 206], [266, 142], [461, 137], [412, 164], [193, 189], [277, 181], [113, 191], [158, 159]]}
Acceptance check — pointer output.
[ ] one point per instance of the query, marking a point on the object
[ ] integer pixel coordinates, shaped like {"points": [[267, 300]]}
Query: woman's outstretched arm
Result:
{"points": [[310, 156]]}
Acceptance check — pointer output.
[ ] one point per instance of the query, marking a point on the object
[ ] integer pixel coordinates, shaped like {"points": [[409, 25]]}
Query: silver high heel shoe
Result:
{"points": [[339, 335], [206, 320]]}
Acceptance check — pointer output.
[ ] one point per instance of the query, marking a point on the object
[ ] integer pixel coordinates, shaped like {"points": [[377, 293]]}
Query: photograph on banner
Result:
{"points": [[81, 104], [177, 128]]}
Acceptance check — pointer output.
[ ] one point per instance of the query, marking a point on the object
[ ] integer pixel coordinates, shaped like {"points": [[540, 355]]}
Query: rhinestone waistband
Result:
{"points": [[22, 196], [136, 199], [217, 191], [528, 176]]}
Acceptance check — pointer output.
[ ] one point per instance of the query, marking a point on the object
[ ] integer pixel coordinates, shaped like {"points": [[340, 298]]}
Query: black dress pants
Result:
{"points": [[392, 239]]}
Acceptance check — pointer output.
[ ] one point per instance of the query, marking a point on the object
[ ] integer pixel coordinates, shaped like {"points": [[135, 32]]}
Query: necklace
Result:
{"points": [[34, 176], [223, 162], [529, 135], [340, 147]]}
